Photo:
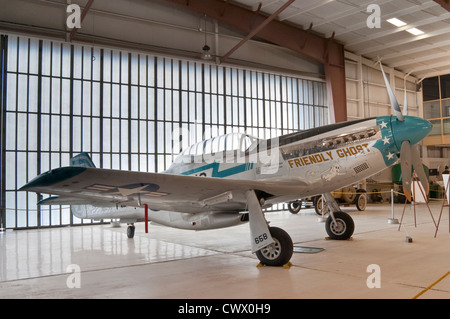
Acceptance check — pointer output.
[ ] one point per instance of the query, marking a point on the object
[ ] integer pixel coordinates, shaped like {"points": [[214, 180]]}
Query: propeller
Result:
{"points": [[409, 154]]}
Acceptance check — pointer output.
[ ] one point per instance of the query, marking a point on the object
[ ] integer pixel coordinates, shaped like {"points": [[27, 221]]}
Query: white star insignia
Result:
{"points": [[127, 191], [390, 155], [386, 140], [383, 124]]}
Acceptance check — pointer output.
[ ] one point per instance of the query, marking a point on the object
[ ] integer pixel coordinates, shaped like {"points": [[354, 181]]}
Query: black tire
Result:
{"points": [[279, 253], [295, 206], [343, 229], [130, 231]]}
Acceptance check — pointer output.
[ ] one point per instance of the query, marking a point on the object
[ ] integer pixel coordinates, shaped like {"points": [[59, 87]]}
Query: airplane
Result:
{"points": [[228, 180]]}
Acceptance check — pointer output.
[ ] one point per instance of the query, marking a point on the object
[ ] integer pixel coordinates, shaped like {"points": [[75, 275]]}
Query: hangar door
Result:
{"points": [[128, 110]]}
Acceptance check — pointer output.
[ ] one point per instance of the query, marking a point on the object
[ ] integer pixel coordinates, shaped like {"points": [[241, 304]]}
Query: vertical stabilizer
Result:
{"points": [[82, 160]]}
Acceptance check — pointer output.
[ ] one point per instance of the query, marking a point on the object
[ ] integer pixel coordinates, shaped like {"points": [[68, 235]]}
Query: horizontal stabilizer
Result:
{"points": [[56, 200]]}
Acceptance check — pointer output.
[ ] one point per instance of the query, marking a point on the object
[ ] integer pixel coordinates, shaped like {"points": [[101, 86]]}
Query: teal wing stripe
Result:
{"points": [[220, 174]]}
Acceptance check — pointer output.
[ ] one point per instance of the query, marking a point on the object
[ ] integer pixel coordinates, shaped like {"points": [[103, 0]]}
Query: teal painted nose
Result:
{"points": [[412, 129]]}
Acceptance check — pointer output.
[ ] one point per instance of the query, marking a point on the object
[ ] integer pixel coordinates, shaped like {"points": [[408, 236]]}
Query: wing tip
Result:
{"points": [[52, 177]]}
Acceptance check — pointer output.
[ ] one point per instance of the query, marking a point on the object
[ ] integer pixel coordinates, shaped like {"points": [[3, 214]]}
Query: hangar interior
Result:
{"points": [[141, 80]]}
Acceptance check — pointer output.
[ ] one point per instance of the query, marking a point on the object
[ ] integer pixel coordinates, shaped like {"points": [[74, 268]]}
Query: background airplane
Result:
{"points": [[228, 180]]}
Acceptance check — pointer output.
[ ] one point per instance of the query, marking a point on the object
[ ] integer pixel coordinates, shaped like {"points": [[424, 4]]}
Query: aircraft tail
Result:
{"points": [[82, 160]]}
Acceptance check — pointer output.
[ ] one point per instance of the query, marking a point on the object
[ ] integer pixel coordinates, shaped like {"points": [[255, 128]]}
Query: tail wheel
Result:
{"points": [[342, 229], [361, 202], [295, 206], [278, 253]]}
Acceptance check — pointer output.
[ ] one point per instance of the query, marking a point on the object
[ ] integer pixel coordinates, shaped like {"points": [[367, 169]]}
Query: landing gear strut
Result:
{"points": [[272, 245]]}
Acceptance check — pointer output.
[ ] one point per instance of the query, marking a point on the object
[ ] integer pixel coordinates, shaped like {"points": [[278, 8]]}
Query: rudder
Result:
{"points": [[82, 160]]}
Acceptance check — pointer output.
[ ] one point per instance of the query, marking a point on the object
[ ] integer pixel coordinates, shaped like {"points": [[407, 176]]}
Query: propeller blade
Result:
{"points": [[418, 167], [405, 106], [406, 165], [391, 94]]}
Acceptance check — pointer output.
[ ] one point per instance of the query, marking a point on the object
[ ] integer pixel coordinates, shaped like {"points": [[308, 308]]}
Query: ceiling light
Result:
{"points": [[415, 31], [396, 22]]}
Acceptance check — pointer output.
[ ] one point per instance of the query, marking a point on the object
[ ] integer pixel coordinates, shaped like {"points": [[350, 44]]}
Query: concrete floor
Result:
{"points": [[171, 263]]}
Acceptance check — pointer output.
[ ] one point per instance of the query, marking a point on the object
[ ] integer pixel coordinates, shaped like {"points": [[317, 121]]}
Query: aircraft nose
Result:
{"points": [[412, 129]]}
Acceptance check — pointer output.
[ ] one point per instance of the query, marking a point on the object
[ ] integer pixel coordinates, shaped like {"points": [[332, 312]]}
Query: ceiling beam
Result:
{"points": [[444, 4], [393, 14], [408, 39], [83, 15], [393, 30], [326, 51], [257, 29]]}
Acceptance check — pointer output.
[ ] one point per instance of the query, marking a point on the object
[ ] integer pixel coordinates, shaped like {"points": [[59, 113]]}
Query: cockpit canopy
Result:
{"points": [[224, 143]]}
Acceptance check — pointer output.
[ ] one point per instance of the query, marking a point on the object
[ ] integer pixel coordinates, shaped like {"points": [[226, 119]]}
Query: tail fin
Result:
{"points": [[82, 160]]}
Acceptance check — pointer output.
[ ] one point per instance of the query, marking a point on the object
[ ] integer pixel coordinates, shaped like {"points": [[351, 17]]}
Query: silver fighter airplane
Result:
{"points": [[229, 180]]}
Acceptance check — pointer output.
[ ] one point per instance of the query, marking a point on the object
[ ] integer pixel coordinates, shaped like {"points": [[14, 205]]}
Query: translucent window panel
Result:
{"points": [[33, 94], [115, 100], [432, 109], [23, 55], [115, 66], [124, 101], [87, 98], [134, 64], [437, 127], [160, 72], [12, 54], [65, 133], [124, 68], [45, 134], [96, 61], [95, 99], [175, 105], [77, 134], [46, 58], [11, 92], [168, 73], [11, 137], [86, 135], [88, 57], [445, 108], [77, 62], [107, 65], [106, 105], [77, 97], [55, 96], [430, 89], [168, 105], [65, 96], [446, 123], [96, 135], [66, 61]]}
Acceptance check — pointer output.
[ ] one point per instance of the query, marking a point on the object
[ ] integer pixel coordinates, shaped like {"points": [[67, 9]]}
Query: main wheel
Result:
{"points": [[278, 253], [342, 229], [130, 231], [295, 206]]}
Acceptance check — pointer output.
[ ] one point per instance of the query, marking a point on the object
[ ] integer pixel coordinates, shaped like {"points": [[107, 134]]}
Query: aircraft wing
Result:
{"points": [[178, 193]]}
